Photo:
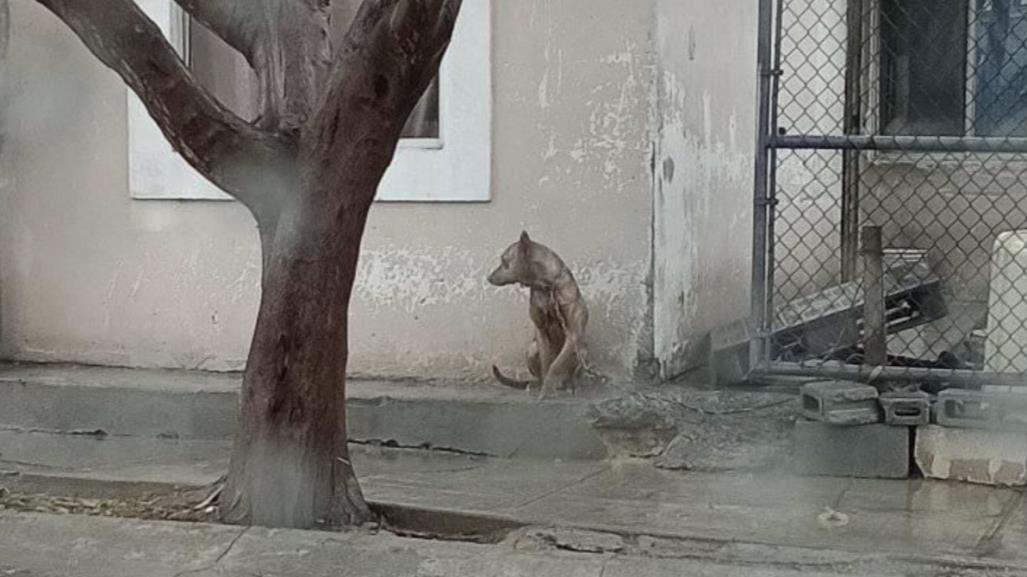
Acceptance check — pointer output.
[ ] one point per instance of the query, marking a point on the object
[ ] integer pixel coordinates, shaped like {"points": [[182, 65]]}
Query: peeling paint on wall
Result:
{"points": [[703, 192], [411, 279]]}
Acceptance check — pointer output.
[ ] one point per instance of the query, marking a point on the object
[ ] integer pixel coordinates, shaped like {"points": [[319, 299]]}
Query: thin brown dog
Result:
{"points": [[556, 309]]}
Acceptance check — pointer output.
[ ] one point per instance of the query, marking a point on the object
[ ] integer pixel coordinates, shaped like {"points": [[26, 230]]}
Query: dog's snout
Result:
{"points": [[499, 277]]}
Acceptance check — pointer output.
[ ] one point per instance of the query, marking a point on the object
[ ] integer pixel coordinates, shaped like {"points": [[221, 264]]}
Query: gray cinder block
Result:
{"points": [[875, 451], [840, 403], [981, 410], [906, 409]]}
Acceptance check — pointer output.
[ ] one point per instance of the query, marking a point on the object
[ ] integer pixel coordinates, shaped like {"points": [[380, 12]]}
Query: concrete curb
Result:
{"points": [[503, 426]]}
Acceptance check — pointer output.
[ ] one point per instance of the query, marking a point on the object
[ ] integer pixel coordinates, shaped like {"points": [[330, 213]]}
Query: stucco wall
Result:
{"points": [[90, 275], [706, 94]]}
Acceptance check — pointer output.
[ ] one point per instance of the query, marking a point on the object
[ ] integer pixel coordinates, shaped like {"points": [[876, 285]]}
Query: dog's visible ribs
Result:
{"points": [[557, 310]]}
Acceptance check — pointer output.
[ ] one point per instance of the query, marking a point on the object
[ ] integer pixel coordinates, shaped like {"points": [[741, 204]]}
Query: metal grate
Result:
{"points": [[910, 116]]}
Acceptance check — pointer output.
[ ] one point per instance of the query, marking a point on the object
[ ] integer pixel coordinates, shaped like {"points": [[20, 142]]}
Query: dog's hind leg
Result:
{"points": [[546, 355], [534, 363], [562, 369]]}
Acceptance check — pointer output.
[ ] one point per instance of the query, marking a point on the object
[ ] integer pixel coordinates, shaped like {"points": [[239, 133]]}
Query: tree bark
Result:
{"points": [[290, 465], [292, 61]]}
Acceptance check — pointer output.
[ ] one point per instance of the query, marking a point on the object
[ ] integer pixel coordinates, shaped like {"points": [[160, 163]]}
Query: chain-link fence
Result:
{"points": [[910, 116]]}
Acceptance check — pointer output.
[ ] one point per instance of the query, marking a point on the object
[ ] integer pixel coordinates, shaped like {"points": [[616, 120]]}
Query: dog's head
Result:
{"points": [[515, 264]]}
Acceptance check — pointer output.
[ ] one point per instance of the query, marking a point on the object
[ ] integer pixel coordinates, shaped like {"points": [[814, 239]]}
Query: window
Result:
{"points": [[445, 153], [954, 67]]}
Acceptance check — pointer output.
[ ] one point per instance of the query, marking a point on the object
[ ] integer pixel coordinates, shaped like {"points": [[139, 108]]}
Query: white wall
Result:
{"points": [[706, 99], [90, 275]]}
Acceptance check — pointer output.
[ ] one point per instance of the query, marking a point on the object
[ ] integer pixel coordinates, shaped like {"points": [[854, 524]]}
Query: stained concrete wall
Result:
{"points": [[706, 98], [90, 275]]}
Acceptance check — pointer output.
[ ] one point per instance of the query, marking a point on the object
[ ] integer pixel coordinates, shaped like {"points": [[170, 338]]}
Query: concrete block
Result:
{"points": [[906, 409], [981, 410], [729, 357], [840, 403], [974, 456], [868, 451]]}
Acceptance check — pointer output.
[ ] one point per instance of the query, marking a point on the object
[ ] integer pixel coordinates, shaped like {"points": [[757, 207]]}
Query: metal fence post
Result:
{"points": [[852, 123], [760, 316], [875, 352]]}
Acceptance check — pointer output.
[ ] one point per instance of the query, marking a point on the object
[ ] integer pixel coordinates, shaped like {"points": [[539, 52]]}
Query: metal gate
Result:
{"points": [[890, 232]]}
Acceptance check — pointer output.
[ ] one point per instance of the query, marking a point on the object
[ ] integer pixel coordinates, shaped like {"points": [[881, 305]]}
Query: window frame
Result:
{"points": [[874, 53], [877, 70], [456, 167], [872, 117]]}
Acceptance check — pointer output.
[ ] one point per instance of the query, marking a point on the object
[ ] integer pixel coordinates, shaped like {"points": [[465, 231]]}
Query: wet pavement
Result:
{"points": [[33, 545], [908, 519]]}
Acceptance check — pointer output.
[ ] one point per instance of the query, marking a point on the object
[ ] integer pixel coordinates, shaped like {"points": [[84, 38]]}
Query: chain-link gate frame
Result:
{"points": [[844, 88]]}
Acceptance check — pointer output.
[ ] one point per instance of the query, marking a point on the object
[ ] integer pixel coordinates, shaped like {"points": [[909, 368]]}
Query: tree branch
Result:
{"points": [[254, 166], [387, 59], [413, 35], [237, 22], [285, 42], [292, 60]]}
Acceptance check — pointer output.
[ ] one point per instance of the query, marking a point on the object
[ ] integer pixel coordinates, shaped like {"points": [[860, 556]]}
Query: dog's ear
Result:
{"points": [[524, 245]]}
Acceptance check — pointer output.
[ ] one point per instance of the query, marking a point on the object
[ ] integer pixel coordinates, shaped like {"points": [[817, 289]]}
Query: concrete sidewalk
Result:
{"points": [[912, 520], [33, 545]]}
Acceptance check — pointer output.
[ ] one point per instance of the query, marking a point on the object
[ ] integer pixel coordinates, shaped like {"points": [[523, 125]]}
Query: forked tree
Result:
{"points": [[331, 113]]}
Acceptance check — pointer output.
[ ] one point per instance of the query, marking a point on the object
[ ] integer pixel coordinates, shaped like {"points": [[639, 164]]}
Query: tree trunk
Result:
{"points": [[308, 171], [290, 465]]}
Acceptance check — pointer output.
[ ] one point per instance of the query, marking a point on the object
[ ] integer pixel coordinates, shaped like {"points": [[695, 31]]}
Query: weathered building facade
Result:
{"points": [[618, 133]]}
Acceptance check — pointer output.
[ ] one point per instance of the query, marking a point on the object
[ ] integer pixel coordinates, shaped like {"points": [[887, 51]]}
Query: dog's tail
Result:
{"points": [[507, 381]]}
